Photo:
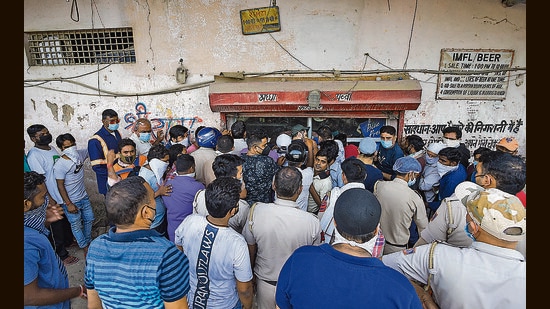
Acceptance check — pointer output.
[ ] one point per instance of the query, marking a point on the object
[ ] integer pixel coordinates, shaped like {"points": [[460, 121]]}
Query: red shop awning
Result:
{"points": [[290, 97]]}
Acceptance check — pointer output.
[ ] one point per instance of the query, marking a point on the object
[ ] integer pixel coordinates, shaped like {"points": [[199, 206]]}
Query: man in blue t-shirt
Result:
{"points": [[388, 152], [345, 274]]}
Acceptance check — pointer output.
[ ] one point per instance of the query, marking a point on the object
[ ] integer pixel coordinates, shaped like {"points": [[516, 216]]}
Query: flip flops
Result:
{"points": [[70, 260]]}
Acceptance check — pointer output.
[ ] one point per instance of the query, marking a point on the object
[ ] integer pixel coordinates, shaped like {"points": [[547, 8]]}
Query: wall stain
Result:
{"points": [[54, 109], [67, 113]]}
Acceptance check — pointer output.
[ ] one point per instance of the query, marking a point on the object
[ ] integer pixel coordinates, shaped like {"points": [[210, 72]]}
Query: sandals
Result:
{"points": [[70, 260]]}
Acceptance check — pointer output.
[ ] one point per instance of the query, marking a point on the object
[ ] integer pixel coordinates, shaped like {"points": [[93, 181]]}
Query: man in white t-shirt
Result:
{"points": [[220, 273]]}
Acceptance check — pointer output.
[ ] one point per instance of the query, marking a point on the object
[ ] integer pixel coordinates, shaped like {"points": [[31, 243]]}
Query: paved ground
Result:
{"points": [[76, 276]]}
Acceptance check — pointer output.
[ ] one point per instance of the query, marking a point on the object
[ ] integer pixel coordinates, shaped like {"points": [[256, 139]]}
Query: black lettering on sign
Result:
{"points": [[262, 97], [343, 96]]}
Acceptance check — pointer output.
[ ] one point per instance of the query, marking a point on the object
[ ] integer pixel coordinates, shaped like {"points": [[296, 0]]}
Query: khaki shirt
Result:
{"points": [[400, 206], [278, 229]]}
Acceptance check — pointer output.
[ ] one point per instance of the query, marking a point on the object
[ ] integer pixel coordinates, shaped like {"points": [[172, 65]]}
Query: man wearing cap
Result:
{"points": [[495, 169], [282, 141], [345, 273], [274, 230], [367, 152], [300, 132], [489, 273], [508, 144], [400, 205], [296, 156], [428, 182]]}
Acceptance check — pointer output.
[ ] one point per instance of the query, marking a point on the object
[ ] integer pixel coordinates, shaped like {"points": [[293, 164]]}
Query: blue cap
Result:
{"points": [[407, 164], [367, 146]]}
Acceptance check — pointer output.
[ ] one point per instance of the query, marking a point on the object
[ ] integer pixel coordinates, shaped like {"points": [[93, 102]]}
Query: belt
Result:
{"points": [[273, 283], [401, 246]]}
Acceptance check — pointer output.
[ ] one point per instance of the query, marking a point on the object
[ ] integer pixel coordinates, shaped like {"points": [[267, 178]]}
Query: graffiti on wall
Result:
{"points": [[473, 133], [158, 123]]}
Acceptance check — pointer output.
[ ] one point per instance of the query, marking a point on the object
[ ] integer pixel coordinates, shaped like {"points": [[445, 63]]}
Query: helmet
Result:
{"points": [[208, 137], [296, 151]]}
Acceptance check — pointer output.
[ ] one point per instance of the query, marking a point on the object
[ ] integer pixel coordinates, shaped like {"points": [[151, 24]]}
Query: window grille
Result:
{"points": [[73, 47]]}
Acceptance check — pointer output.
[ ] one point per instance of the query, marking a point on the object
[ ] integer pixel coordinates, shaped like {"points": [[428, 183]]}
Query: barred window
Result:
{"points": [[72, 47]]}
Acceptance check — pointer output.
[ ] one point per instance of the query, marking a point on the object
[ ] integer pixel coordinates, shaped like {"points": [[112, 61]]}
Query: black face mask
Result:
{"points": [[127, 159], [44, 140], [266, 150]]}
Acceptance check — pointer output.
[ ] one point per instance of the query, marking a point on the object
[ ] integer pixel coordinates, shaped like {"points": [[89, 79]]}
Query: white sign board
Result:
{"points": [[486, 81]]}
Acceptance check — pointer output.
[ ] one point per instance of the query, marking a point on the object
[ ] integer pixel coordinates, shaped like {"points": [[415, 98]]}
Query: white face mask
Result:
{"points": [[72, 153], [369, 245], [451, 142], [184, 142], [444, 169], [158, 167]]}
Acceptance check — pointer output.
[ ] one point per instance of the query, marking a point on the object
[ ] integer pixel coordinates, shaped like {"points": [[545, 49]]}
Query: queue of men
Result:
{"points": [[299, 225]]}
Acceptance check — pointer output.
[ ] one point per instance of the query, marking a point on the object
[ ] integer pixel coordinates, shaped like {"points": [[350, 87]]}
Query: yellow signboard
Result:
{"points": [[260, 20]]}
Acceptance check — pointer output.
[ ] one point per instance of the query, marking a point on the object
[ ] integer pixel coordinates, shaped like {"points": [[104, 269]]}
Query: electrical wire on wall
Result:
{"points": [[75, 14], [411, 34]]}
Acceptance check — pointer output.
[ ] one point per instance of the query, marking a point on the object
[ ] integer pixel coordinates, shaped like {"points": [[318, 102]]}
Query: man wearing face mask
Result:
{"points": [[451, 138], [388, 152], [178, 134], [142, 136], [400, 205], [69, 173], [259, 168], [46, 283], [347, 269], [107, 138], [487, 274], [153, 173], [428, 182], [41, 159], [128, 163], [451, 172], [494, 170]]}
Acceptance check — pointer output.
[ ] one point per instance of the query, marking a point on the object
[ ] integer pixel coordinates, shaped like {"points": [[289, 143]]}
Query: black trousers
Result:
{"points": [[61, 236]]}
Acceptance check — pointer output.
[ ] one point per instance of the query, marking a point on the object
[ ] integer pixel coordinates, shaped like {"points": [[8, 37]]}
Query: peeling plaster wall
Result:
{"points": [[318, 35]]}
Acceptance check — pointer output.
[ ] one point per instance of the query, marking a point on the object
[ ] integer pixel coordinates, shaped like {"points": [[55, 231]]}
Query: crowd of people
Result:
{"points": [[235, 219]]}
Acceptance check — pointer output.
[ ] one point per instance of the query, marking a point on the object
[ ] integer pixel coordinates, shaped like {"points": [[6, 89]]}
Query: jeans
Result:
{"points": [[81, 222]]}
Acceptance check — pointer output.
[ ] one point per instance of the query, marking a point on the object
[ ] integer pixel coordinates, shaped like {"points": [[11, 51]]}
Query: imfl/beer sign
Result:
{"points": [[489, 78], [260, 20]]}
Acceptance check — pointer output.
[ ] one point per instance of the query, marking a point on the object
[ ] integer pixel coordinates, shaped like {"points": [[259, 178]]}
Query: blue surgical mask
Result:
{"points": [[475, 163], [145, 137], [113, 127], [468, 232], [411, 182], [386, 144], [430, 160]]}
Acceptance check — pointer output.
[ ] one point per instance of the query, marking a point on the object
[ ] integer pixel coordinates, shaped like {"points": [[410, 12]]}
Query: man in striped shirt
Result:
{"points": [[133, 266]]}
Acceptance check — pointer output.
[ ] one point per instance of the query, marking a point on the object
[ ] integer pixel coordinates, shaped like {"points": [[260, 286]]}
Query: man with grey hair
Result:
{"points": [[142, 136], [274, 230]]}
